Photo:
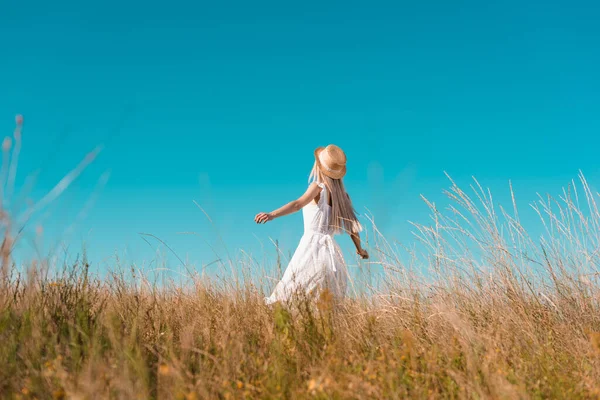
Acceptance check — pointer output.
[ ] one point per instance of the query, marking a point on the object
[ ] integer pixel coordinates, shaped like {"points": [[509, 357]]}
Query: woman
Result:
{"points": [[318, 263]]}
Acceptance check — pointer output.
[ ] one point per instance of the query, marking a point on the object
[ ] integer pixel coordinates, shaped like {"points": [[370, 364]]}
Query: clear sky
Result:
{"points": [[224, 103]]}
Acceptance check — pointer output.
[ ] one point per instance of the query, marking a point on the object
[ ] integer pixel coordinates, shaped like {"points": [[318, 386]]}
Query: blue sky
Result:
{"points": [[224, 104]]}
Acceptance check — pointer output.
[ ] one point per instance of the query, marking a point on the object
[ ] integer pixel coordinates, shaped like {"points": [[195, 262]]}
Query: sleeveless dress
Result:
{"points": [[317, 263]]}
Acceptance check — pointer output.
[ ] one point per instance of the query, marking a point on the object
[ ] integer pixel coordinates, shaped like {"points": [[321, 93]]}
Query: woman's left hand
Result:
{"points": [[262, 218], [363, 254]]}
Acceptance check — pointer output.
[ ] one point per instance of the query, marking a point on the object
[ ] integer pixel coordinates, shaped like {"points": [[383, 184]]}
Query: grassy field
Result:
{"points": [[485, 312]]}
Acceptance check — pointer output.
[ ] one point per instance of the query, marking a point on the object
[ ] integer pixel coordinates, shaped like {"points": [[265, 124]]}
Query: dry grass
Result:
{"points": [[496, 316], [481, 311]]}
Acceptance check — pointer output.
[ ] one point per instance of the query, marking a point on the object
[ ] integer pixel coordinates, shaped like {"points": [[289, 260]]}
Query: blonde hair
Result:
{"points": [[343, 216]]}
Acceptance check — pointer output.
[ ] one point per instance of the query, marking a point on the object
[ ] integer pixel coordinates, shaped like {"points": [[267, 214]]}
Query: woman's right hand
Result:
{"points": [[363, 254], [263, 218]]}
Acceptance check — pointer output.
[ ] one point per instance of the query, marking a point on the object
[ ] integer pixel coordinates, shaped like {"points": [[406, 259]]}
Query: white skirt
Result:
{"points": [[316, 265]]}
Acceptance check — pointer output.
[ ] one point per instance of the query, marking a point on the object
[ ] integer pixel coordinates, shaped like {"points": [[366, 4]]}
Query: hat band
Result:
{"points": [[333, 171]]}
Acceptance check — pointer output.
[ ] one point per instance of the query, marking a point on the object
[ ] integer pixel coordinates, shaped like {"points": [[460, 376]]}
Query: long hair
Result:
{"points": [[343, 215]]}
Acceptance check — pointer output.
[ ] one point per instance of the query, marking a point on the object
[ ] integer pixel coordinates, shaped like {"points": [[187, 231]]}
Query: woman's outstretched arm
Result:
{"points": [[293, 206]]}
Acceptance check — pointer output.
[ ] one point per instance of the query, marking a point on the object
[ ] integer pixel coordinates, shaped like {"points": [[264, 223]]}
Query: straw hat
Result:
{"points": [[332, 161]]}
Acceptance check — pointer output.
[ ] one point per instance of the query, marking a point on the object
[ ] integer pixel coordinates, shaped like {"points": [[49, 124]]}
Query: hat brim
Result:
{"points": [[333, 175]]}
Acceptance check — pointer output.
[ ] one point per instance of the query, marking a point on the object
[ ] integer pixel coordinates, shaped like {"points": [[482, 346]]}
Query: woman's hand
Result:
{"points": [[262, 218], [363, 254]]}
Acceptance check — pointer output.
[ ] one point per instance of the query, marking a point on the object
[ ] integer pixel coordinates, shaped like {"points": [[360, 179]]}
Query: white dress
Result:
{"points": [[318, 262]]}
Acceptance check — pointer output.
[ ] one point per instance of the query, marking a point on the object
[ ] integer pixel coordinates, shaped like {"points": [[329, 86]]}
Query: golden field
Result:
{"points": [[485, 311]]}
